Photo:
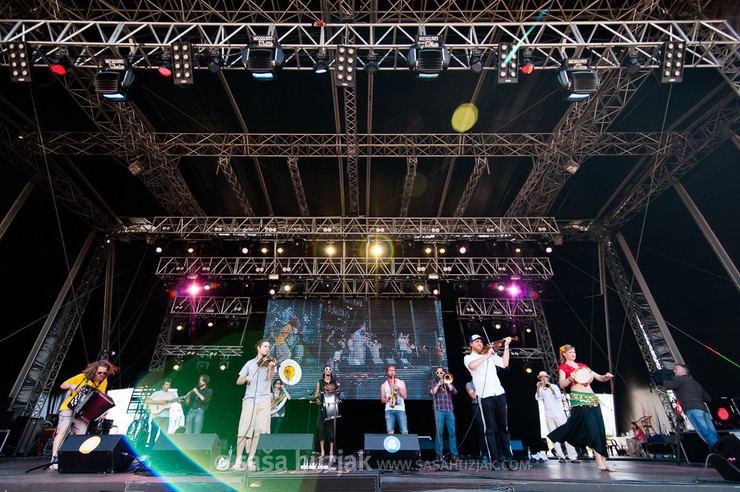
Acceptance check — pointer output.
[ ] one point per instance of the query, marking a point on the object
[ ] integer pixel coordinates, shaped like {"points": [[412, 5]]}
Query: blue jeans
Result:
{"points": [[702, 422], [448, 419], [194, 421], [393, 416]]}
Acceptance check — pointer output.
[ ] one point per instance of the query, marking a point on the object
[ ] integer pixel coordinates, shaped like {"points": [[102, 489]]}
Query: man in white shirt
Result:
{"points": [[491, 395], [552, 400]]}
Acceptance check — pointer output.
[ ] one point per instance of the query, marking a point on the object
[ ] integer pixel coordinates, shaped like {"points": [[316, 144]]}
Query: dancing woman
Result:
{"points": [[585, 427]]}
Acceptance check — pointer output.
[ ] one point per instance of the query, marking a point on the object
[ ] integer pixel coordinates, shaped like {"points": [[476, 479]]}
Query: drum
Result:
{"points": [[331, 406], [94, 406], [583, 376]]}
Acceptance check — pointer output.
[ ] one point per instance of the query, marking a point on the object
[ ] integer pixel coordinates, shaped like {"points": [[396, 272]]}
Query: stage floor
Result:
{"points": [[548, 476]]}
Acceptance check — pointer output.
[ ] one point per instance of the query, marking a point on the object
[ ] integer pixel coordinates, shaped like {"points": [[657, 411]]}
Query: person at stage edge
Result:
{"points": [[692, 397], [552, 400], [585, 427], [444, 415], [165, 397], [393, 394], [198, 399], [327, 385], [99, 380], [634, 443], [491, 395], [280, 397], [476, 410], [255, 416]]}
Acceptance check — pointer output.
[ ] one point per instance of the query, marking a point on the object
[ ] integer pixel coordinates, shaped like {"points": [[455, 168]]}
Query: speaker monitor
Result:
{"points": [[281, 452], [186, 452], [95, 454], [392, 451], [725, 456]]}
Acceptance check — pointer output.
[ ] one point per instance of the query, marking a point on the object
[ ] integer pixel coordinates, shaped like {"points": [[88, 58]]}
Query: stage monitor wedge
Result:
{"points": [[95, 454]]}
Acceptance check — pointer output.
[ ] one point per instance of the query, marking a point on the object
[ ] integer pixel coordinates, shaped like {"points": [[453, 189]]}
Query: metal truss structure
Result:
{"points": [[709, 43], [233, 307], [38, 378], [574, 140], [364, 10], [376, 145], [344, 228], [653, 338], [484, 308], [199, 307], [224, 165], [354, 268]]}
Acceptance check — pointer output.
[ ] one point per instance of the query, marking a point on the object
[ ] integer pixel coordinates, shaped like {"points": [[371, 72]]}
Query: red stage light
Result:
{"points": [[58, 69], [527, 68], [723, 414], [165, 71]]}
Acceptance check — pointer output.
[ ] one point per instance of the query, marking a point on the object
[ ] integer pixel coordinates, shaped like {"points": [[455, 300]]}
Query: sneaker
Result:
{"points": [[561, 460], [456, 459]]}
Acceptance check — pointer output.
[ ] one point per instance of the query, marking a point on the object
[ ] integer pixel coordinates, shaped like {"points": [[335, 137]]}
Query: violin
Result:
{"points": [[265, 361], [497, 344]]}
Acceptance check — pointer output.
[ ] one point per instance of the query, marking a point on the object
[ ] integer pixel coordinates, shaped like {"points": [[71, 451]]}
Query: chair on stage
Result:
{"points": [[646, 422]]}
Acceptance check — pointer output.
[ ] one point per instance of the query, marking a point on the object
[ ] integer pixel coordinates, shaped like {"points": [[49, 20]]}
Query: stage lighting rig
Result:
{"points": [[114, 84], [507, 64], [20, 67], [263, 57], [182, 63], [577, 79], [672, 62], [428, 58]]}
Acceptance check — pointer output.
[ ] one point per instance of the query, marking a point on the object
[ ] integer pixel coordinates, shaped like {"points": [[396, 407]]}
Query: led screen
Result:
{"points": [[358, 338]]}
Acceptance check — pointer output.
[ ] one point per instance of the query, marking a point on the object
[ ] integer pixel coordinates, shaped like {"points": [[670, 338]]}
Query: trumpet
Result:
{"points": [[447, 378], [547, 386]]}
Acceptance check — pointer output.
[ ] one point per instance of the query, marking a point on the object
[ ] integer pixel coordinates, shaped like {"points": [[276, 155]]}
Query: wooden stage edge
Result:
{"points": [[633, 475]]}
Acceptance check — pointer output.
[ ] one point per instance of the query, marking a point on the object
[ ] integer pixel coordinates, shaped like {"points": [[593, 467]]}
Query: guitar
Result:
{"points": [[157, 408]]}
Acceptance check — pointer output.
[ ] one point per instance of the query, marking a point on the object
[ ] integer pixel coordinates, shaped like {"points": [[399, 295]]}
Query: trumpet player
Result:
{"points": [[442, 389], [255, 417], [393, 394], [552, 399]]}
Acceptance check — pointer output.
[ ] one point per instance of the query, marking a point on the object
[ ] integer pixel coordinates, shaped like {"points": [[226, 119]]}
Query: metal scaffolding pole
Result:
{"points": [[711, 238], [15, 208]]}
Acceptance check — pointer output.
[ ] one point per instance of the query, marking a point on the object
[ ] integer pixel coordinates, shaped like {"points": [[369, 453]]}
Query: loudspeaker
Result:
{"points": [[311, 482], [95, 454], [392, 451], [186, 452], [728, 449], [282, 452]]}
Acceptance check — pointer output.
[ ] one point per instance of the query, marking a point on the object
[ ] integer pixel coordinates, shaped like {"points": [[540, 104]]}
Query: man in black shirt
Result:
{"points": [[198, 398], [692, 397]]}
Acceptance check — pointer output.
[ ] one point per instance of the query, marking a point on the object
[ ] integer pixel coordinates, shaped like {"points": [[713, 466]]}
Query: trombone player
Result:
{"points": [[442, 389], [552, 399]]}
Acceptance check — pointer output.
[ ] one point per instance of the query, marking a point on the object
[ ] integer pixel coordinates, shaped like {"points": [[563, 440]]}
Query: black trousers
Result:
{"points": [[478, 418], [497, 428]]}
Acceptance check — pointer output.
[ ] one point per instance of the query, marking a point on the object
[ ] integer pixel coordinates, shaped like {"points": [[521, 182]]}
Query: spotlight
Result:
{"points": [[497, 326], [287, 287], [330, 249], [507, 64], [59, 66], [214, 66], [427, 58], [20, 70], [320, 66], [514, 290], [272, 291], [177, 365], [428, 250], [526, 63], [165, 69], [673, 61], [475, 64], [420, 287], [572, 166], [631, 63], [201, 366], [182, 58], [371, 67], [442, 250], [158, 249], [210, 324], [579, 81], [244, 250], [280, 250], [264, 250], [548, 249], [263, 57], [346, 65], [179, 327], [223, 365], [113, 84], [528, 369]]}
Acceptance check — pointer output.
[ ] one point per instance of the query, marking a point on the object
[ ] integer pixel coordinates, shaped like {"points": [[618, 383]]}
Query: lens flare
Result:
{"points": [[464, 117]]}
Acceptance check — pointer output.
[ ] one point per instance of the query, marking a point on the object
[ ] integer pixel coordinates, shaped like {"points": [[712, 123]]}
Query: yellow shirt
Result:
{"points": [[74, 381]]}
